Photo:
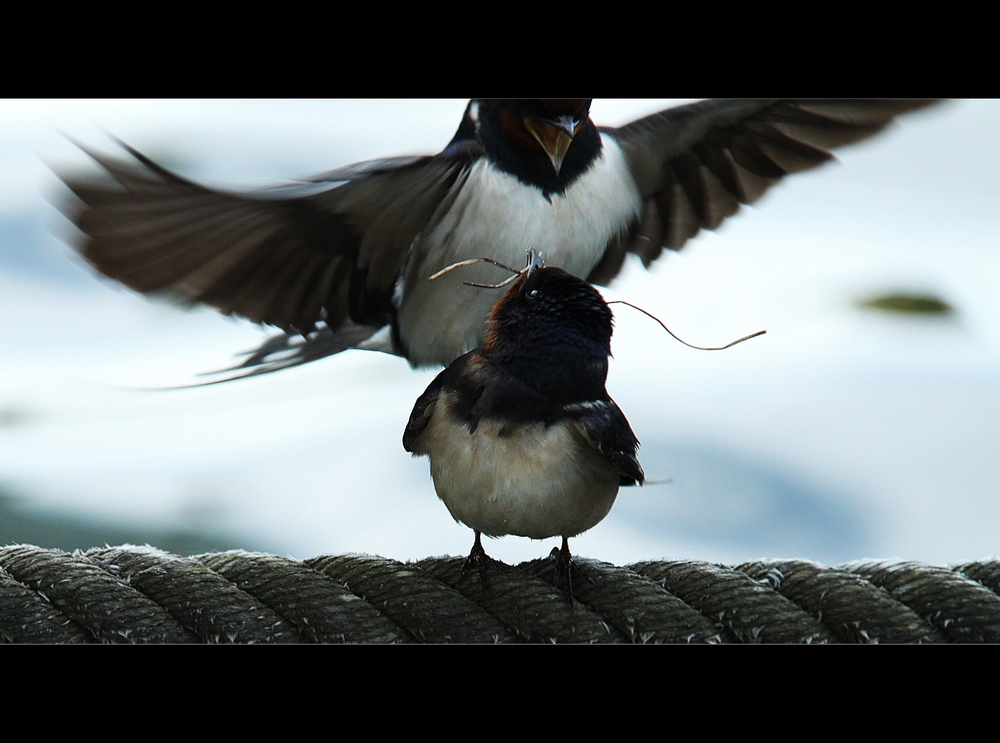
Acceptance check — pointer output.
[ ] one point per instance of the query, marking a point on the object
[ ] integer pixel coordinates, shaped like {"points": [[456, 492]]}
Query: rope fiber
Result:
{"points": [[131, 594]]}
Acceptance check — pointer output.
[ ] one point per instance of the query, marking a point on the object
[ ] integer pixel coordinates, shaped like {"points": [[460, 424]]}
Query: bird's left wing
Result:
{"points": [[423, 409], [606, 429], [695, 164], [421, 414], [289, 257]]}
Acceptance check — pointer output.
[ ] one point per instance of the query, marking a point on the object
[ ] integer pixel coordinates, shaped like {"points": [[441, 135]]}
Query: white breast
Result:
{"points": [[539, 482], [497, 216]]}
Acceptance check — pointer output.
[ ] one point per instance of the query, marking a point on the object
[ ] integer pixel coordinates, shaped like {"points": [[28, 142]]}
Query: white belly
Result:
{"points": [[538, 483], [496, 216]]}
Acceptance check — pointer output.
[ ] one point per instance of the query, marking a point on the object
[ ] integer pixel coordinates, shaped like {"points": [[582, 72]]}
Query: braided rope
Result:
{"points": [[141, 594]]}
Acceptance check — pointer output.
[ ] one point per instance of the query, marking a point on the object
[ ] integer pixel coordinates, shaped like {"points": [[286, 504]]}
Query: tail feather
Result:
{"points": [[286, 350]]}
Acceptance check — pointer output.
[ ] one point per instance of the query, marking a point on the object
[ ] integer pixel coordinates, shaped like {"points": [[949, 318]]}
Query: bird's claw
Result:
{"points": [[565, 568], [479, 558]]}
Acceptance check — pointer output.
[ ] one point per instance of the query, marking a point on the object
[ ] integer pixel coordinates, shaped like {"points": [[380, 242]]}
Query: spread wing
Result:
{"points": [[696, 164], [604, 426], [288, 257]]}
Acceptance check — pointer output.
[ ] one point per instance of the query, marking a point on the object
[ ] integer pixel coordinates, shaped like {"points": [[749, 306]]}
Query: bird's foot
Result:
{"points": [[565, 569], [480, 560]]}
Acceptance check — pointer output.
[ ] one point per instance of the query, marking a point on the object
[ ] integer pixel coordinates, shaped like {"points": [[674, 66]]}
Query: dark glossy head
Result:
{"points": [[546, 143], [553, 329]]}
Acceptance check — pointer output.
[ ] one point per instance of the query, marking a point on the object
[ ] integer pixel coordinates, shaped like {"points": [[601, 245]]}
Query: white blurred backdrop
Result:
{"points": [[843, 433]]}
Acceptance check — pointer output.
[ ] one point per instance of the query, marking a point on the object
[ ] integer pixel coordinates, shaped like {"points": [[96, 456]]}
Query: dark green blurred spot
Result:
{"points": [[913, 304], [14, 417]]}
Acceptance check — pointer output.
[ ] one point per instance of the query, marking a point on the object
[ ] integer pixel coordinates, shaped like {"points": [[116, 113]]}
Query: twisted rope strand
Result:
{"points": [[144, 595]]}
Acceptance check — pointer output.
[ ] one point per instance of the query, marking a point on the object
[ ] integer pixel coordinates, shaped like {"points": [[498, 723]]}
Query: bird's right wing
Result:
{"points": [[290, 257], [695, 164]]}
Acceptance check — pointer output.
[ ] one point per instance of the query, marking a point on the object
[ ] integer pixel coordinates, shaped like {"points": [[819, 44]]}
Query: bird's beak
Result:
{"points": [[534, 261], [554, 135]]}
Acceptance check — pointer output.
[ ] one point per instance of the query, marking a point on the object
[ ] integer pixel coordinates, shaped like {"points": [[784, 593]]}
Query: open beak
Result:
{"points": [[554, 135]]}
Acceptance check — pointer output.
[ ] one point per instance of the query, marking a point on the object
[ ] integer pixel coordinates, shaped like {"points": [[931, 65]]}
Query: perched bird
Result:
{"points": [[342, 260], [521, 433]]}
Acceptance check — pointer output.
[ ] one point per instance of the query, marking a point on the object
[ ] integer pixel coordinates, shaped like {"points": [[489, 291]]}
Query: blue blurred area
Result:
{"points": [[720, 497]]}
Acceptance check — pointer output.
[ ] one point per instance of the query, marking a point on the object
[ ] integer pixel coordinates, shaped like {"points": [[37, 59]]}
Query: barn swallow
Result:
{"points": [[522, 436], [341, 260]]}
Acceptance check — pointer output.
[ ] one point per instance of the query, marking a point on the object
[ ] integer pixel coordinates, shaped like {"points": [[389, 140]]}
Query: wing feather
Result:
{"points": [[605, 428], [290, 257], [696, 164]]}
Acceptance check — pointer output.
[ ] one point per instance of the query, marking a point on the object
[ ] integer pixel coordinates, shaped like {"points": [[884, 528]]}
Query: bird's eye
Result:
{"points": [[533, 293]]}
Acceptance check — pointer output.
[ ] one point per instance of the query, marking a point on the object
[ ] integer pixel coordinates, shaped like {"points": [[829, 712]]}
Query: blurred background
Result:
{"points": [[850, 430]]}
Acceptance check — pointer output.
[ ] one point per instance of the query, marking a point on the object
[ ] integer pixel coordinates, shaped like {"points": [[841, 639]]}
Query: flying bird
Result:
{"points": [[341, 260], [521, 434]]}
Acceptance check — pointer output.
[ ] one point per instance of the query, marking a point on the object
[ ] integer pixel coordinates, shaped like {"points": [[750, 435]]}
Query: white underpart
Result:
{"points": [[492, 484], [380, 341], [497, 216]]}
